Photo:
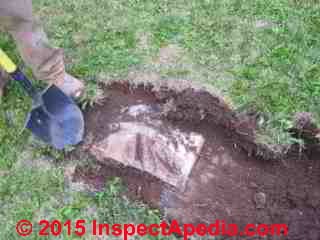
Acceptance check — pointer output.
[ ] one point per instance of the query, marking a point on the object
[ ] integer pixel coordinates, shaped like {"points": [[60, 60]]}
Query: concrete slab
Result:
{"points": [[169, 155]]}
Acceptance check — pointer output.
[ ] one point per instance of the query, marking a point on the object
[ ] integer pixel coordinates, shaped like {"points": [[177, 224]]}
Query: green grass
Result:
{"points": [[13, 111], [272, 69], [22, 193], [35, 195]]}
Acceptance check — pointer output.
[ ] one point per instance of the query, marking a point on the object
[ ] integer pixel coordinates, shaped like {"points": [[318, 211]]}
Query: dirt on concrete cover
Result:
{"points": [[135, 135], [227, 182]]}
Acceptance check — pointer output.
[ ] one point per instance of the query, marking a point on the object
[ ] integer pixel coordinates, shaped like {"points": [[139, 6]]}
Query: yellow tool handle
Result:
{"points": [[6, 63]]}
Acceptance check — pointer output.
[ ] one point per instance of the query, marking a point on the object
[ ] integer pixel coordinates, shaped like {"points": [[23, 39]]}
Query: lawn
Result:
{"points": [[260, 54]]}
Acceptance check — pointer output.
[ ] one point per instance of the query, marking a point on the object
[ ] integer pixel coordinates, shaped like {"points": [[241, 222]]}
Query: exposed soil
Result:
{"points": [[227, 182]]}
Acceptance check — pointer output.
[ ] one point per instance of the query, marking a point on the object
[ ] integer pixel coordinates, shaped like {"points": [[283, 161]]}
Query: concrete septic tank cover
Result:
{"points": [[150, 145]]}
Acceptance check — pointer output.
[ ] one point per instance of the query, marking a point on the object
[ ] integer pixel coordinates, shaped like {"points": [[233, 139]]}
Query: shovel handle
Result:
{"points": [[6, 62], [25, 82], [8, 65]]}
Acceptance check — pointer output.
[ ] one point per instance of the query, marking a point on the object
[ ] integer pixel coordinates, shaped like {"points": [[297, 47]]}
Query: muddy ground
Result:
{"points": [[228, 182]]}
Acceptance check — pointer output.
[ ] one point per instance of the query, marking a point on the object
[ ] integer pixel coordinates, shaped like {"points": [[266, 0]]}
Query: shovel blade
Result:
{"points": [[56, 119]]}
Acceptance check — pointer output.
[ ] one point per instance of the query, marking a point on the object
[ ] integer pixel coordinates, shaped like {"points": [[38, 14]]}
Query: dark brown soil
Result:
{"points": [[227, 182]]}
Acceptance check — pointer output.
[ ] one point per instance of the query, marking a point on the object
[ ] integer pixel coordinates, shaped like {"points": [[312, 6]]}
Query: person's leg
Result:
{"points": [[45, 61]]}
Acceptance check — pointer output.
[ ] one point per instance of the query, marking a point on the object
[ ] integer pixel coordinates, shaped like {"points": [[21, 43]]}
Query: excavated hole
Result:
{"points": [[197, 167]]}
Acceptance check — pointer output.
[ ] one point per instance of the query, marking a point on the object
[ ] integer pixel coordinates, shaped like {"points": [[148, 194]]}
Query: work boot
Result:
{"points": [[71, 86]]}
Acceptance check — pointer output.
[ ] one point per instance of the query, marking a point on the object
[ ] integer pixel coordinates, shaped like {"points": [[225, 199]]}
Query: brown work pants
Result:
{"points": [[45, 61]]}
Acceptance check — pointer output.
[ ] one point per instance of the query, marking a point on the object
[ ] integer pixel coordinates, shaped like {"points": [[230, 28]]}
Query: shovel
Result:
{"points": [[54, 118]]}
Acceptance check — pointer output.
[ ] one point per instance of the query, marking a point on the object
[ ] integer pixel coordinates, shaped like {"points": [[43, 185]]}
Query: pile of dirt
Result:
{"points": [[227, 182]]}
